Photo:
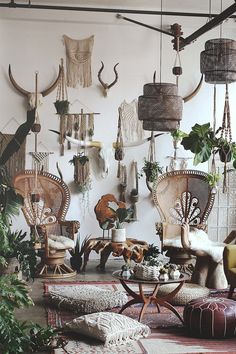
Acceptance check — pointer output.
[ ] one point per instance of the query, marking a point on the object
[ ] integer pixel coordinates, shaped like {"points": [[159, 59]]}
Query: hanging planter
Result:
{"points": [[62, 104], [218, 61], [81, 172], [62, 107], [160, 107]]}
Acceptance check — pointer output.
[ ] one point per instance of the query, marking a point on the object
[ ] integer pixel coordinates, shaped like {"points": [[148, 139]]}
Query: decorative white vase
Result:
{"points": [[164, 277], [118, 235], [175, 274]]}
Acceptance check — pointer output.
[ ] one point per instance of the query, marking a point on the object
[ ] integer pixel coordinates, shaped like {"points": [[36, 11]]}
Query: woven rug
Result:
{"points": [[168, 334]]}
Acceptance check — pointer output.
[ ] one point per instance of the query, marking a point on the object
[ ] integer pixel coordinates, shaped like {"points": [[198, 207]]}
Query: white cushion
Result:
{"points": [[111, 328], [86, 298], [57, 242], [199, 240]]}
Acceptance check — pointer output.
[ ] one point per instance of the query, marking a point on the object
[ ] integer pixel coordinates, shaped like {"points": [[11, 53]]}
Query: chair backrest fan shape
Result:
{"points": [[183, 196], [46, 197]]}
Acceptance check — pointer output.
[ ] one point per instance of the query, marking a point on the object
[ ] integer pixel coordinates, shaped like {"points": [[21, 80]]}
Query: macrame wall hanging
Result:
{"points": [[134, 196], [131, 126], [77, 125], [226, 134], [17, 162], [119, 149], [78, 61], [40, 160]]}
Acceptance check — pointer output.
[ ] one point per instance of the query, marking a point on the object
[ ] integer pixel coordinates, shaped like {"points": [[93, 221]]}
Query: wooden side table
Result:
{"points": [[131, 249], [151, 297]]}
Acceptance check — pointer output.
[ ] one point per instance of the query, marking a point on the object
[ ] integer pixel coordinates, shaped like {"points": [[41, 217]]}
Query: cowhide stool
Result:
{"points": [[211, 317]]}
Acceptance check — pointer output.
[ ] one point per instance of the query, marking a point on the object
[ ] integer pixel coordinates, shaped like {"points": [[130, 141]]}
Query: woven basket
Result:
{"points": [[188, 292], [146, 272]]}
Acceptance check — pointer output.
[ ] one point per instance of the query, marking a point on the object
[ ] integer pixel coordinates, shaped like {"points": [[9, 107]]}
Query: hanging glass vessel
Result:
{"points": [[218, 61]]}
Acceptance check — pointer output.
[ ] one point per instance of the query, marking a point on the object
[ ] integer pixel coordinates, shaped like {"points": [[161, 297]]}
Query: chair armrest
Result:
{"points": [[229, 257], [71, 225]]}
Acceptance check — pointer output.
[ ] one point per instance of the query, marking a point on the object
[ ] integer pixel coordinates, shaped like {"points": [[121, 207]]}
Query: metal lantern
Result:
{"points": [[160, 108], [218, 61]]}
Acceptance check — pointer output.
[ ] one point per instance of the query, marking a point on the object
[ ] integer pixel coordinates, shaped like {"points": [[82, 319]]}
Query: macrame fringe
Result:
{"points": [[122, 337], [78, 61]]}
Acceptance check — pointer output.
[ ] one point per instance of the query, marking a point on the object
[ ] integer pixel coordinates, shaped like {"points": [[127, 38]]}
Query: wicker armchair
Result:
{"points": [[46, 202], [184, 199]]}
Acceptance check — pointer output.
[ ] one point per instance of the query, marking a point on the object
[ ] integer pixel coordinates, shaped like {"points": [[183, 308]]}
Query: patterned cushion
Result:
{"points": [[188, 292], [211, 317], [109, 327], [86, 298]]}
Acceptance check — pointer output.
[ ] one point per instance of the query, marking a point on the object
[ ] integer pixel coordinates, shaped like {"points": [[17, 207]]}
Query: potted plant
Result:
{"points": [[204, 143], [62, 106], [121, 215], [81, 171], [16, 253], [151, 169]]}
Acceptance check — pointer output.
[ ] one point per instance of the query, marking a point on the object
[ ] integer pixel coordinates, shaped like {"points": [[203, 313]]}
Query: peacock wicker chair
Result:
{"points": [[46, 202], [182, 197]]}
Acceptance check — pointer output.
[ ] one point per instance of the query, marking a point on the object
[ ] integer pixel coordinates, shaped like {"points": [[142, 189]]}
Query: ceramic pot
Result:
{"points": [[164, 277], [118, 235], [174, 274]]}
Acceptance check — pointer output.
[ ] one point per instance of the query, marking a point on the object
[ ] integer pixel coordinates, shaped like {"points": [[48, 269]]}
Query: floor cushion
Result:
{"points": [[111, 328], [188, 292], [211, 317], [86, 298]]}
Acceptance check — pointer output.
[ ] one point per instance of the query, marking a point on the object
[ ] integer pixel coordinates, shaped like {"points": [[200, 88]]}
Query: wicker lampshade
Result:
{"points": [[218, 61], [160, 108]]}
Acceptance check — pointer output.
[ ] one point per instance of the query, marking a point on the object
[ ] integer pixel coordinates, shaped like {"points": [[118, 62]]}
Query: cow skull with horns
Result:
{"points": [[32, 100], [106, 86], [105, 152]]}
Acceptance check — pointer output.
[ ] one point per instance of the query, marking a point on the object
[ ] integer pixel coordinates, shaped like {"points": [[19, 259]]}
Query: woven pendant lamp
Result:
{"points": [[218, 61], [160, 108]]}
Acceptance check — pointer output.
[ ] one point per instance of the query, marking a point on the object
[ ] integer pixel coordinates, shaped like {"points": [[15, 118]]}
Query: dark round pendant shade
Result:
{"points": [[160, 107], [218, 61]]}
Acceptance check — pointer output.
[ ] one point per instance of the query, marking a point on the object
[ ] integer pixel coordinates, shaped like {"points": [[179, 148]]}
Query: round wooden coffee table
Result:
{"points": [[146, 298]]}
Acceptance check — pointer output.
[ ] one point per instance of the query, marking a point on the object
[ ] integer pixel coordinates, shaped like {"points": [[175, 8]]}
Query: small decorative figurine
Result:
{"points": [[126, 272]]}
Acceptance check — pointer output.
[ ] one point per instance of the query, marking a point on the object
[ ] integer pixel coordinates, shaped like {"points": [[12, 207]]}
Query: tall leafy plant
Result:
{"points": [[19, 336]]}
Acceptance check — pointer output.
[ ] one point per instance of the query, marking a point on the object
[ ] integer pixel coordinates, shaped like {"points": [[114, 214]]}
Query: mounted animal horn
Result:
{"points": [[106, 86], [30, 95]]}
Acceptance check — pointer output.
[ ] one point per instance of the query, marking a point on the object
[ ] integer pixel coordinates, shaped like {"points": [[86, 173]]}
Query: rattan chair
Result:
{"points": [[46, 202], [184, 198]]}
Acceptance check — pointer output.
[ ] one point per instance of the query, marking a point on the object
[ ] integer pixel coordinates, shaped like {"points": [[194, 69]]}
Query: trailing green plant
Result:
{"points": [[178, 135], [20, 336], [81, 157], [151, 170], [213, 178], [204, 143]]}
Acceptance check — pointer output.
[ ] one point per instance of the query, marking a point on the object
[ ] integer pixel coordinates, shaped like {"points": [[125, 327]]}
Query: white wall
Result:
{"points": [[32, 40]]}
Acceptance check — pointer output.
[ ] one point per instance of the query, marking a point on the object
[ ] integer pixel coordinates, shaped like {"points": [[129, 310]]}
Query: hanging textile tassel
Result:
{"points": [[90, 126], [76, 126], [69, 130], [119, 150]]}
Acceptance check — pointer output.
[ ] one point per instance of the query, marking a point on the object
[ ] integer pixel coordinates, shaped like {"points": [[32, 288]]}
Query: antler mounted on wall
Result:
{"points": [[106, 86], [31, 95]]}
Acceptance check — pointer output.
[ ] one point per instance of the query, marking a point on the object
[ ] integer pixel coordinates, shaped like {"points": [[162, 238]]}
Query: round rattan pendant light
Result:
{"points": [[160, 107], [218, 61]]}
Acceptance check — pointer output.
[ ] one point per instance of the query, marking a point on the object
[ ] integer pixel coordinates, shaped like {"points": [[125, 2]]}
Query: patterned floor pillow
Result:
{"points": [[111, 328], [86, 298]]}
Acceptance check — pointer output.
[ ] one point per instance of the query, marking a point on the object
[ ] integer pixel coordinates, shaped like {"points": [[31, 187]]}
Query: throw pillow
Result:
{"points": [[86, 298], [111, 328]]}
